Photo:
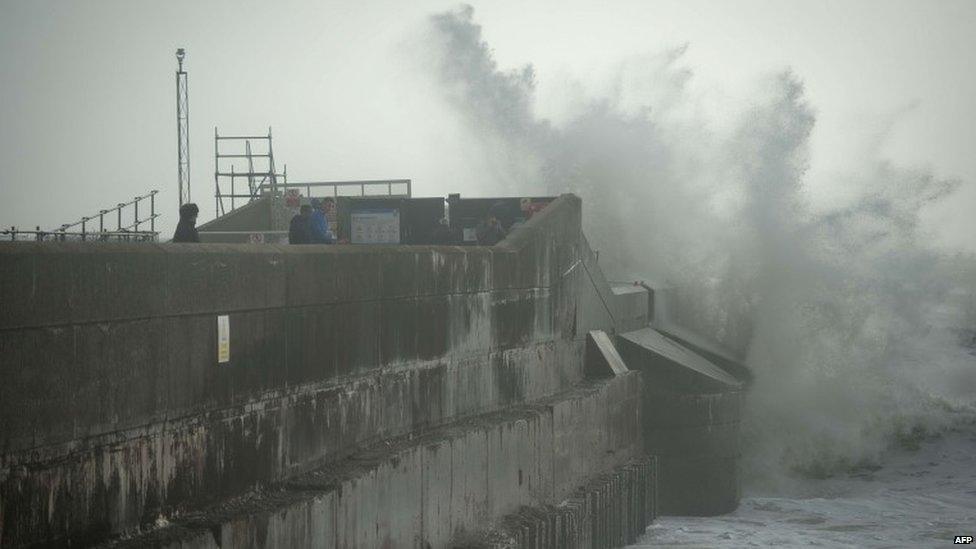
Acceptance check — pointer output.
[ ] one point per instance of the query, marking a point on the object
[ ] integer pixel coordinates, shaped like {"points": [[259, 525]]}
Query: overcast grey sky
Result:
{"points": [[87, 95]]}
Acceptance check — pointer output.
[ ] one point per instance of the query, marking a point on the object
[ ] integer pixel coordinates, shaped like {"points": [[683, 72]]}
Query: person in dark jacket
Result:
{"points": [[300, 228], [186, 229], [490, 230]]}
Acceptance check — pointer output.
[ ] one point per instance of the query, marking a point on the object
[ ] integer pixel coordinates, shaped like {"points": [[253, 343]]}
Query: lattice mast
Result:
{"points": [[182, 130]]}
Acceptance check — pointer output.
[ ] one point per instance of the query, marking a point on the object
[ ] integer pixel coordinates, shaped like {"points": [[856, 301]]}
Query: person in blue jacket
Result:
{"points": [[320, 233]]}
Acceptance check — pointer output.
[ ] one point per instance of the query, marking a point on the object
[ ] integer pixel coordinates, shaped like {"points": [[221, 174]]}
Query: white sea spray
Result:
{"points": [[849, 318]]}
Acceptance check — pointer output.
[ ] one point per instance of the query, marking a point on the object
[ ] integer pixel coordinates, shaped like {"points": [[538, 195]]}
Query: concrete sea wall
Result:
{"points": [[115, 412]]}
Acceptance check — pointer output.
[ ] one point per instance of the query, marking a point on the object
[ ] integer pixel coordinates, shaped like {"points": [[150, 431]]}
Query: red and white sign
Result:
{"points": [[293, 198]]}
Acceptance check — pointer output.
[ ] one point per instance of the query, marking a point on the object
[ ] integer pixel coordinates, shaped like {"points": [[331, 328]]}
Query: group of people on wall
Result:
{"points": [[311, 225]]}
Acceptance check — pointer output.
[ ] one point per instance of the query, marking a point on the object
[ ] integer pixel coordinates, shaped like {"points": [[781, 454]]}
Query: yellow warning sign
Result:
{"points": [[223, 339]]}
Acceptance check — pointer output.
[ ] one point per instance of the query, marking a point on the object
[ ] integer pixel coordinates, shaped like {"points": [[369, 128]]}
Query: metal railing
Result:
{"points": [[336, 185], [81, 230]]}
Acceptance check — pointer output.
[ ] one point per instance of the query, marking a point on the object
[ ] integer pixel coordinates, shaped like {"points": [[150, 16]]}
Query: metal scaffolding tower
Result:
{"points": [[235, 158], [182, 129]]}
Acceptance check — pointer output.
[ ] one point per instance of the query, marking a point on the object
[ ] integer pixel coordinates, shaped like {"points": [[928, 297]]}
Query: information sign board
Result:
{"points": [[375, 226]]}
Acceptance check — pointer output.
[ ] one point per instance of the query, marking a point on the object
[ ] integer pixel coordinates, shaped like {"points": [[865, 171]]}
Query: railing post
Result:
{"points": [[118, 209], [135, 205], [84, 223], [152, 211]]}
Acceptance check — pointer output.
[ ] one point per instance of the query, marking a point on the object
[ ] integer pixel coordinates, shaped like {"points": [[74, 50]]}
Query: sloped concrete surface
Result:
{"points": [[669, 364]]}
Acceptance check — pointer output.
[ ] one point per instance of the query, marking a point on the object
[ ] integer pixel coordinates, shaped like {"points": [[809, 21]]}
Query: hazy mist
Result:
{"points": [[87, 98]]}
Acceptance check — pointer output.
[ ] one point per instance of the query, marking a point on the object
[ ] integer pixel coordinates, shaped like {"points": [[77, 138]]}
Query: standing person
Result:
{"points": [[320, 233], [300, 228], [186, 229], [490, 231]]}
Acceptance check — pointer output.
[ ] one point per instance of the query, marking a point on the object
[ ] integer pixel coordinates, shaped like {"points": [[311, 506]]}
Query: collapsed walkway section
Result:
{"points": [[692, 412]]}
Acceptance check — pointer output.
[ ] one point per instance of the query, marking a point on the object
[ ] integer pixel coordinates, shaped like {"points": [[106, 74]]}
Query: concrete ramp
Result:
{"points": [[669, 366], [711, 350], [660, 319]]}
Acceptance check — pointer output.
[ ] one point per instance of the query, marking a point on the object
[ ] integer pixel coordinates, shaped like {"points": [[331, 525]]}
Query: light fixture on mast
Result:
{"points": [[182, 130]]}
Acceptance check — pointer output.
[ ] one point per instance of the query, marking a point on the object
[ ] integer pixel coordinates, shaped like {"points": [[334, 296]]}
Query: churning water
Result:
{"points": [[859, 332]]}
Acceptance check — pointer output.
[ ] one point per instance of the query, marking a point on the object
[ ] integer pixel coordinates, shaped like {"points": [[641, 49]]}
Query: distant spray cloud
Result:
{"points": [[848, 318]]}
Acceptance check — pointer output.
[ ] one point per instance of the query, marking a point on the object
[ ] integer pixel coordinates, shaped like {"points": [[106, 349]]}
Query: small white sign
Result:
{"points": [[470, 234], [223, 339]]}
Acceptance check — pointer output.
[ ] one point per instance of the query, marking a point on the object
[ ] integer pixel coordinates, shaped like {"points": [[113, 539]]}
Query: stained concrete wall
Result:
{"points": [[696, 438], [113, 408], [611, 510], [445, 484]]}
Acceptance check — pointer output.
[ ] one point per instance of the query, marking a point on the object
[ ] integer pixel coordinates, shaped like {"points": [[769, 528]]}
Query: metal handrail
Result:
{"points": [[274, 231], [308, 185], [83, 222]]}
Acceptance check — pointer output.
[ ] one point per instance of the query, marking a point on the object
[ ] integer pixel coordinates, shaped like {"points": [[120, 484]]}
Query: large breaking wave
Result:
{"points": [[851, 322]]}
